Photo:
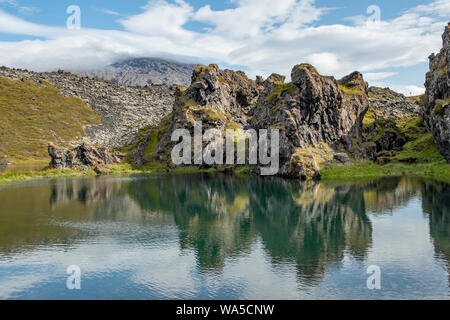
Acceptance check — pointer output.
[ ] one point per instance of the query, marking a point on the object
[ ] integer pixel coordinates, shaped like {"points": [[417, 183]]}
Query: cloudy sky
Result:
{"points": [[389, 41]]}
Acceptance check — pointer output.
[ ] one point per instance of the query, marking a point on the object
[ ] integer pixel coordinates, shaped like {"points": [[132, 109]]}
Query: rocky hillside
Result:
{"points": [[393, 129], [116, 113], [437, 109], [316, 115], [32, 114], [140, 72]]}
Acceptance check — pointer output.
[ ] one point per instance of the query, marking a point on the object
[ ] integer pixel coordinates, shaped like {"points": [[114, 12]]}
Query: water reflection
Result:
{"points": [[311, 227]]}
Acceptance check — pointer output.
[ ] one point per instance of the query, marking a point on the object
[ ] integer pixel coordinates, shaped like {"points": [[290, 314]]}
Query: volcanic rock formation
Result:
{"points": [[437, 110]]}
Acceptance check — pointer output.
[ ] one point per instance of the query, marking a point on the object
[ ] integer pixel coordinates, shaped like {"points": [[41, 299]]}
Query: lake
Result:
{"points": [[221, 237]]}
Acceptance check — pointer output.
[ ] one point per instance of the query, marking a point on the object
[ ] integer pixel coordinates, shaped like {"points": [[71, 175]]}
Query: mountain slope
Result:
{"points": [[33, 114], [139, 72]]}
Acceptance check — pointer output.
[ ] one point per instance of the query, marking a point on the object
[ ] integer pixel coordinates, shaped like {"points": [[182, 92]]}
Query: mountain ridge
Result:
{"points": [[141, 72]]}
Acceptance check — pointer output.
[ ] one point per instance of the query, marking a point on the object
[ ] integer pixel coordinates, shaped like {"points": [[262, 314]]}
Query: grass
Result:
{"points": [[439, 109], [351, 90], [279, 90], [44, 174], [32, 115], [366, 169]]}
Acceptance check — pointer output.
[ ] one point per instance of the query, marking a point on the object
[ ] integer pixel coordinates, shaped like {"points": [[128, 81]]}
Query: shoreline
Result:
{"points": [[330, 173]]}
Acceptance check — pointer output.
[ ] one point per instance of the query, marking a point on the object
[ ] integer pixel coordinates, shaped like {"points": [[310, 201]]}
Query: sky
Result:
{"points": [[388, 41]]}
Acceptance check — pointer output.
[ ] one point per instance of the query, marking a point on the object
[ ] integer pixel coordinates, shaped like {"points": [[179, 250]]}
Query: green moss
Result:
{"points": [[309, 67], [279, 90], [157, 133], [351, 90], [32, 115], [421, 150], [439, 109], [369, 118]]}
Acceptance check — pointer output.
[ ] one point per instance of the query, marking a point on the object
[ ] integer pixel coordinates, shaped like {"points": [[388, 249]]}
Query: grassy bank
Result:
{"points": [[366, 169], [120, 170]]}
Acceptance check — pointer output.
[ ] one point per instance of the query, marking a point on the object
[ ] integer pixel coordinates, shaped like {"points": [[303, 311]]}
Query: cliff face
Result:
{"points": [[123, 110], [316, 115], [437, 111]]}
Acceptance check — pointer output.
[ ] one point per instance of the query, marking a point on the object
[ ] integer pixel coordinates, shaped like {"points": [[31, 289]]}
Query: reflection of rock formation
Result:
{"points": [[211, 213], [86, 191], [385, 194], [310, 225], [436, 202], [219, 217]]}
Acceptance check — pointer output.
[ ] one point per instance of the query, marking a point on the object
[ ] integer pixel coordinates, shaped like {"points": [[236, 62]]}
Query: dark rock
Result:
{"points": [[100, 170], [437, 109], [82, 157], [3, 162], [341, 158]]}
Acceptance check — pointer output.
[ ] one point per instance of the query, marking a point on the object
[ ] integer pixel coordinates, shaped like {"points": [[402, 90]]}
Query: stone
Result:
{"points": [[101, 170], [82, 157], [341, 158], [3, 161]]}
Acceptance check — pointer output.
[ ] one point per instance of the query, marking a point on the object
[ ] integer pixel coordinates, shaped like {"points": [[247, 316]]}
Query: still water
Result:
{"points": [[220, 237]]}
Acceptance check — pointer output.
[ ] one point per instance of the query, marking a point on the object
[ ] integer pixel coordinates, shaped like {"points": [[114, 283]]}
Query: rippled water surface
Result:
{"points": [[220, 237]]}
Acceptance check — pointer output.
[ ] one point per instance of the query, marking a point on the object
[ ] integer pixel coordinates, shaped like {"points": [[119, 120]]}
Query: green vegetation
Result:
{"points": [[44, 174], [356, 90], [32, 115], [440, 103], [366, 169], [279, 90]]}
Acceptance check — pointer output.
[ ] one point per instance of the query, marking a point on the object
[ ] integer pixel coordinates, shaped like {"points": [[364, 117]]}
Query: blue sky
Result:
{"points": [[257, 36]]}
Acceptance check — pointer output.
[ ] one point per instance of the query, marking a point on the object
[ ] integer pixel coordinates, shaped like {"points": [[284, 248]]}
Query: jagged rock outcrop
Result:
{"points": [[82, 157], [383, 124], [437, 110], [315, 114], [140, 72], [124, 110]]}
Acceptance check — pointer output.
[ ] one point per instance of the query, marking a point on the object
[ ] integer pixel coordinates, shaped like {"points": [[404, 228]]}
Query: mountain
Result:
{"points": [[139, 72]]}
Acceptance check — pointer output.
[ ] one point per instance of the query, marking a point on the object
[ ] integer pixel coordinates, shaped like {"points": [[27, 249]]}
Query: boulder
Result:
{"points": [[82, 157], [3, 161], [341, 158]]}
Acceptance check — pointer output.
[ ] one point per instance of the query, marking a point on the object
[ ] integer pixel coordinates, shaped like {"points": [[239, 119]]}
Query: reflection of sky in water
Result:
{"points": [[125, 257]]}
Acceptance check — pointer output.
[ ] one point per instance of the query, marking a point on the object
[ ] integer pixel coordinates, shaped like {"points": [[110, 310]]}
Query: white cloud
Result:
{"points": [[264, 36], [373, 76]]}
